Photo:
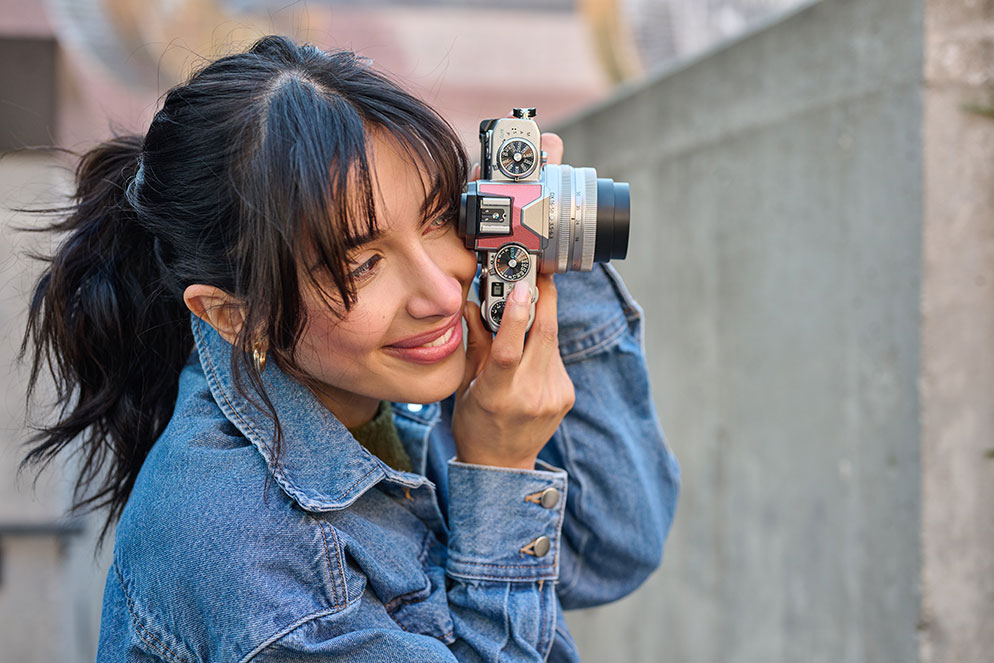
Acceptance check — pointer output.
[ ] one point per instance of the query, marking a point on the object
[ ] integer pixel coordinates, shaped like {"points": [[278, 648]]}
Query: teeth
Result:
{"points": [[441, 340]]}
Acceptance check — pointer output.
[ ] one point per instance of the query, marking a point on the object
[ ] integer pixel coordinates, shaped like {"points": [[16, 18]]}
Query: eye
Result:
{"points": [[365, 270], [440, 223]]}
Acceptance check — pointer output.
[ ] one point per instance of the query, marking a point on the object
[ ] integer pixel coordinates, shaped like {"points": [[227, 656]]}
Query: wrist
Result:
{"points": [[488, 460]]}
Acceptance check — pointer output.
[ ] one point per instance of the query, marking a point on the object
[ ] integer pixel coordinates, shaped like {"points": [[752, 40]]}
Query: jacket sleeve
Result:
{"points": [[497, 594], [623, 479]]}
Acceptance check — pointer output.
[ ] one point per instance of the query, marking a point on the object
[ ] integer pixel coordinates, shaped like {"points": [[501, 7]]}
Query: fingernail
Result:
{"points": [[520, 294]]}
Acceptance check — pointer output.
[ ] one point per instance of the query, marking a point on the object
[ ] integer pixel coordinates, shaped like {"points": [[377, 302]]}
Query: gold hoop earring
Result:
{"points": [[259, 359]]}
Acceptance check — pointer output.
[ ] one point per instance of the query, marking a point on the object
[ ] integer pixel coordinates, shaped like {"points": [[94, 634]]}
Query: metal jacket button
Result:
{"points": [[548, 498], [539, 547]]}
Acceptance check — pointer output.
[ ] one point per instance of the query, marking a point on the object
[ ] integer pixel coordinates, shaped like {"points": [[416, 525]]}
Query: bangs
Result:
{"points": [[443, 172], [350, 202], [306, 188], [313, 162]]}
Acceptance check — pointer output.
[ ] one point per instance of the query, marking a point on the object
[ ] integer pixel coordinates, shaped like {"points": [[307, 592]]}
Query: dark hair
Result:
{"points": [[259, 159]]}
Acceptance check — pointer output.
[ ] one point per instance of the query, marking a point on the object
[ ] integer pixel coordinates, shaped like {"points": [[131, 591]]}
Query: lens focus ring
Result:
{"points": [[588, 184], [565, 196], [572, 219]]}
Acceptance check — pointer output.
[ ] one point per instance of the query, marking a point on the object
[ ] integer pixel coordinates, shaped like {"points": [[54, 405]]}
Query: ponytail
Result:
{"points": [[113, 339]]}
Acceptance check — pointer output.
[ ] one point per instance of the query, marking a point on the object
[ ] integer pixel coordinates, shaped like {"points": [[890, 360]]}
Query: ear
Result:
{"points": [[217, 308]]}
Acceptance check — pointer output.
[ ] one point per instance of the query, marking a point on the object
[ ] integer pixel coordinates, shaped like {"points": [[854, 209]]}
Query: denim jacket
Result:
{"points": [[331, 555]]}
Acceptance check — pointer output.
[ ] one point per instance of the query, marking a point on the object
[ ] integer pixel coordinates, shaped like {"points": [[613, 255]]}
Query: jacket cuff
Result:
{"points": [[505, 524]]}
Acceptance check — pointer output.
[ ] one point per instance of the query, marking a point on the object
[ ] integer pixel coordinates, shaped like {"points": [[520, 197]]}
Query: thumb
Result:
{"points": [[478, 340]]}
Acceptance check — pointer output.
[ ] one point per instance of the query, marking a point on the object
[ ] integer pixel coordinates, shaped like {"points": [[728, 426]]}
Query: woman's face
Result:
{"points": [[402, 340]]}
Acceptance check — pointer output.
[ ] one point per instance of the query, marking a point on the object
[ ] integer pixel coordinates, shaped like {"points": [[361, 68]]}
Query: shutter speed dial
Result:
{"points": [[516, 158]]}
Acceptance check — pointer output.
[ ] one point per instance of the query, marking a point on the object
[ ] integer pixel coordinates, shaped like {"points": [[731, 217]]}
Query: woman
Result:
{"points": [[310, 467]]}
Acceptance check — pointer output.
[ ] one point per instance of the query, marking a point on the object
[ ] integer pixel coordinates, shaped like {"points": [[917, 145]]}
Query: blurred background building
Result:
{"points": [[813, 245]]}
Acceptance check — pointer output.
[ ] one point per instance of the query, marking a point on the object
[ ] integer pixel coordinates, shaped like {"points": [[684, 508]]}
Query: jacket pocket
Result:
{"points": [[400, 560]]}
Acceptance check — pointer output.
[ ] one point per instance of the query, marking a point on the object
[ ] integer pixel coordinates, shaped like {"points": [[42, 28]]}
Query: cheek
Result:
{"points": [[333, 344]]}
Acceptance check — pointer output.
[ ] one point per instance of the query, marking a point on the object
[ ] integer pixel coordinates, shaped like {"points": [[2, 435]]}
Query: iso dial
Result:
{"points": [[516, 158], [512, 262]]}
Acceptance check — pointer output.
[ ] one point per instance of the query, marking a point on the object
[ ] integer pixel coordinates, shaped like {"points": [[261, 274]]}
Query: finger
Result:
{"points": [[552, 145], [474, 173], [508, 345], [543, 339], [478, 339]]}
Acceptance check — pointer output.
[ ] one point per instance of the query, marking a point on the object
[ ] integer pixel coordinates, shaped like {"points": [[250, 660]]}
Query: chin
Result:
{"points": [[434, 383]]}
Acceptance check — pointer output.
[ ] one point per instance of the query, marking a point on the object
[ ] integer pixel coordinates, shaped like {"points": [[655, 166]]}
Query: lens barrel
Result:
{"points": [[614, 212]]}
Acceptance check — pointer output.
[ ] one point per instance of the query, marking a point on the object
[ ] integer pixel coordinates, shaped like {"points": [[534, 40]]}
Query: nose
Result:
{"points": [[435, 291]]}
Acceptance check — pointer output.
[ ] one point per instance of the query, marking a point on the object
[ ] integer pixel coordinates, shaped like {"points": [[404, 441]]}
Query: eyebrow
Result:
{"points": [[356, 241]]}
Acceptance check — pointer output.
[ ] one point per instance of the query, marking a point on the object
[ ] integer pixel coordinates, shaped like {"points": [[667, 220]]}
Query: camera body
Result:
{"points": [[524, 217]]}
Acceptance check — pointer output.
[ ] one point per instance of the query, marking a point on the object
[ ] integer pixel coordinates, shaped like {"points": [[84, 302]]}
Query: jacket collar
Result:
{"points": [[321, 466]]}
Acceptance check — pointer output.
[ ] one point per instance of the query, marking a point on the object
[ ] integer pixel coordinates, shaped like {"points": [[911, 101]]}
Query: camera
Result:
{"points": [[524, 217]]}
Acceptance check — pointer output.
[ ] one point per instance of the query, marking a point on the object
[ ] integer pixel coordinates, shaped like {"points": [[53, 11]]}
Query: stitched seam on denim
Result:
{"points": [[425, 548], [507, 618], [532, 474], [595, 341], [410, 429], [567, 638], [429, 426], [397, 601], [501, 579], [541, 619], [392, 605], [628, 303], [400, 601], [141, 630], [506, 566], [580, 512], [547, 616], [327, 555], [360, 480], [340, 558], [559, 529], [405, 599], [285, 632]]}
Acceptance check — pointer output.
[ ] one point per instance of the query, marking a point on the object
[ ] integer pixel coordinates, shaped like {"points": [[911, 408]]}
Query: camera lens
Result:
{"points": [[613, 217], [588, 219]]}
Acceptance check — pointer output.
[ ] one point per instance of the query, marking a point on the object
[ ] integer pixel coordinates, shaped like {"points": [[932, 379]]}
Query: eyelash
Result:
{"points": [[363, 271], [441, 222]]}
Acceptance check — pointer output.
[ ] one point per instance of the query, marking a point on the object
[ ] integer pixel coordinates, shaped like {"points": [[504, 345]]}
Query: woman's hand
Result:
{"points": [[515, 392]]}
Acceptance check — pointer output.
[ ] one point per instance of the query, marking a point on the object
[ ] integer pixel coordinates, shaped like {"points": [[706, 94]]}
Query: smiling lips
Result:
{"points": [[429, 347]]}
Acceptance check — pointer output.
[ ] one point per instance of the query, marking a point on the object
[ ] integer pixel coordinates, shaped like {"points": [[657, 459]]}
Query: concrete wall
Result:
{"points": [[777, 249], [958, 334]]}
